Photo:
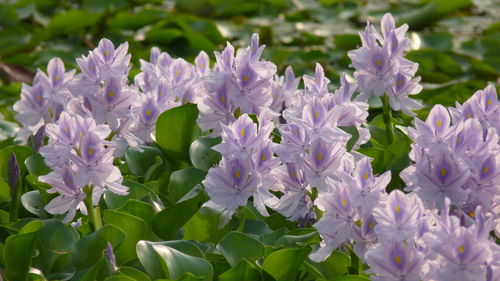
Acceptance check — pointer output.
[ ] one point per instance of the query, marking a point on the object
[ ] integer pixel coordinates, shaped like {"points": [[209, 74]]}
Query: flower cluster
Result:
{"points": [[288, 149], [381, 68]]}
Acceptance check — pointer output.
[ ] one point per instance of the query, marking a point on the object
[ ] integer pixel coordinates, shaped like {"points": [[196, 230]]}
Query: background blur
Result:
{"points": [[456, 42]]}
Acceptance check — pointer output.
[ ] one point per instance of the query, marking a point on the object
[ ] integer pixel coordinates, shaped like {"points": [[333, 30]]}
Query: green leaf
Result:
{"points": [[298, 236], [202, 155], [119, 278], [140, 161], [134, 273], [354, 136], [56, 239], [32, 201], [236, 245], [36, 165], [243, 271], [161, 261], [183, 181], [139, 209], [134, 228], [335, 265], [72, 21], [135, 191], [90, 249], [19, 249], [176, 128], [167, 222], [203, 226], [284, 264]]}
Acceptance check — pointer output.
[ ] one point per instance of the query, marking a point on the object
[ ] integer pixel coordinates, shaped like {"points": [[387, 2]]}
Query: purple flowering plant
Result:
{"points": [[222, 166]]}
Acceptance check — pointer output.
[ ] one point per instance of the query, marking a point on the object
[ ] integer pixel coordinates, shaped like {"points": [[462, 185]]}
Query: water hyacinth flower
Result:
{"points": [[381, 68], [337, 224], [367, 189], [71, 193], [229, 186], [398, 220], [396, 261]]}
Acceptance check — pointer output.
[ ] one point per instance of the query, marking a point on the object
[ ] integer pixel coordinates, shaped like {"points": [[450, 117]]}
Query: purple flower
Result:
{"points": [[367, 190], [364, 237], [230, 185], [323, 161], [202, 63], [396, 261], [438, 175], [317, 85], [294, 142], [71, 194], [295, 202], [397, 221], [337, 224]]}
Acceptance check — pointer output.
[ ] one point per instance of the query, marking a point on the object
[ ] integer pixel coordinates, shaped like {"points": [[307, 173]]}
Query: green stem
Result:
{"points": [[389, 126], [94, 213], [241, 219]]}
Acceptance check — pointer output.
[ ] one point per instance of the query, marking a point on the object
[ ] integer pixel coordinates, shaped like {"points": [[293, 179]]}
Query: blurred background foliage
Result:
{"points": [[456, 42]]}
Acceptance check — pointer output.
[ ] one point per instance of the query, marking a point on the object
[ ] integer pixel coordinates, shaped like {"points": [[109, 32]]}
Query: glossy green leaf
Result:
{"points": [[32, 201], [72, 21], [22, 152], [183, 181], [167, 222], [36, 165], [176, 128], [204, 227], [284, 264], [236, 246], [136, 191], [243, 271], [202, 155], [90, 249], [335, 265], [350, 278], [161, 261], [18, 251], [140, 161], [134, 228]]}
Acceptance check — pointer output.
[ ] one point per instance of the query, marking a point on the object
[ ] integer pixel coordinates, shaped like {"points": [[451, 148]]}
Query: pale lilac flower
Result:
{"points": [[202, 63], [323, 161], [398, 220], [337, 224], [399, 92], [317, 85], [230, 185], [396, 261], [71, 194], [295, 203], [364, 236], [56, 81], [367, 189], [284, 90], [438, 175], [294, 143]]}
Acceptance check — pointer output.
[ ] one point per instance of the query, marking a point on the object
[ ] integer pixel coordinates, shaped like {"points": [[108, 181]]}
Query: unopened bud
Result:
{"points": [[38, 138], [14, 173]]}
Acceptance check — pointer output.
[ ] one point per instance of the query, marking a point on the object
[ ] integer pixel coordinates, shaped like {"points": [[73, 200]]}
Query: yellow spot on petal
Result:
{"points": [[295, 131], [223, 99], [443, 172], [263, 157], [370, 226], [472, 214], [90, 151], [38, 98], [316, 114], [246, 78], [319, 156], [237, 174], [106, 53], [111, 93], [177, 73], [242, 132], [397, 208], [489, 102], [186, 100], [56, 78], [344, 202], [161, 93], [439, 123], [469, 115], [461, 249], [202, 65], [459, 140], [400, 82], [485, 170], [397, 259], [66, 130], [365, 176], [81, 134], [294, 175], [378, 62], [148, 112]]}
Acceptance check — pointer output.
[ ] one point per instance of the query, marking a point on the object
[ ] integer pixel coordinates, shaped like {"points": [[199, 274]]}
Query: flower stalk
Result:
{"points": [[389, 125]]}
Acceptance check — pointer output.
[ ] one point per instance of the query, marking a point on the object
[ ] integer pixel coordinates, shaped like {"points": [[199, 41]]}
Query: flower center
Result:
{"points": [[319, 156], [443, 172], [397, 259]]}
